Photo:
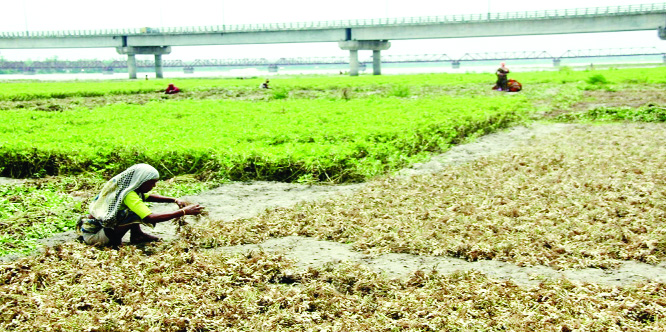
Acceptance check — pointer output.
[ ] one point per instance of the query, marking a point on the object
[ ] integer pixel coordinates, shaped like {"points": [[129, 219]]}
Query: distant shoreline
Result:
{"points": [[332, 70]]}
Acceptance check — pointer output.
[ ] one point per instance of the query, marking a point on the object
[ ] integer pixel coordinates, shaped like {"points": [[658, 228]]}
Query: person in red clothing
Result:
{"points": [[171, 89]]}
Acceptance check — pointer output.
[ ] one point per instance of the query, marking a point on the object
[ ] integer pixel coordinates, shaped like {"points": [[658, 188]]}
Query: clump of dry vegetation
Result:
{"points": [[585, 198], [175, 287]]}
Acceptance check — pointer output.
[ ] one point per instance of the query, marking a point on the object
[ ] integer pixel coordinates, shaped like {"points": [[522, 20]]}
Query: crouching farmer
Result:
{"points": [[120, 208]]}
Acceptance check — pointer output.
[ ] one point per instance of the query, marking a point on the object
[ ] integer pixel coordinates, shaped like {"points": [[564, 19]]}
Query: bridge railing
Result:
{"points": [[591, 53], [447, 19]]}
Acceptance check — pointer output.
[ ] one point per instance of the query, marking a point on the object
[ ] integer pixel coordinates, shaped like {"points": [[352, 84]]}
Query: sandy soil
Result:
{"points": [[9, 181], [242, 200]]}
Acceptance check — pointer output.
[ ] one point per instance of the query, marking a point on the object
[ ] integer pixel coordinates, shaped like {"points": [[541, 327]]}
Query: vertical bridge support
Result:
{"points": [[376, 46], [661, 32], [132, 51]]}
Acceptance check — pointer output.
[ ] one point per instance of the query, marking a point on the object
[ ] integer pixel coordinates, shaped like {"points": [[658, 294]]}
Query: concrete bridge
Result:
{"points": [[351, 35]]}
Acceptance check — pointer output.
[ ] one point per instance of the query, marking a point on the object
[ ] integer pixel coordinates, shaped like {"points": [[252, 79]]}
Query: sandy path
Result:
{"points": [[310, 252], [242, 200]]}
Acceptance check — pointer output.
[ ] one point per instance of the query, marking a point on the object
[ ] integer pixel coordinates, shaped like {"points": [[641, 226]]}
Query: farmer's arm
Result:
{"points": [[185, 209], [163, 199], [135, 204], [154, 218]]}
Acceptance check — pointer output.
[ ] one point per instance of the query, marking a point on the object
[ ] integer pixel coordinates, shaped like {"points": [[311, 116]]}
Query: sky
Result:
{"points": [[48, 15]]}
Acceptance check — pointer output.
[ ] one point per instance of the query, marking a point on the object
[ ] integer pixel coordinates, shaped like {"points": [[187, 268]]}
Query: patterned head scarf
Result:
{"points": [[105, 206]]}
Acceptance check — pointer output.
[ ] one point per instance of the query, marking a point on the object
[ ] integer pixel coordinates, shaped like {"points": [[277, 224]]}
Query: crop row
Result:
{"points": [[284, 140], [22, 91]]}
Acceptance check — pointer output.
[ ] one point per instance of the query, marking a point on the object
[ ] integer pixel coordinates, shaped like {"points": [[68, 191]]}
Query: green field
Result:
{"points": [[348, 138], [589, 197], [306, 129], [334, 129], [282, 140]]}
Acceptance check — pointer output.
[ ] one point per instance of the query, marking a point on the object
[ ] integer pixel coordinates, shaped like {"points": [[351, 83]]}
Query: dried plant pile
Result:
{"points": [[177, 288], [585, 198]]}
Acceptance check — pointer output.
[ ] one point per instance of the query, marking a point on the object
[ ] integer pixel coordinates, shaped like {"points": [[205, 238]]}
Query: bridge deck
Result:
{"points": [[590, 12]]}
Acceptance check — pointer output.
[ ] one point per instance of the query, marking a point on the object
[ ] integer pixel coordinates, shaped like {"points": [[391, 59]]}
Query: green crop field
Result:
{"points": [[282, 138], [314, 128], [589, 197], [305, 129]]}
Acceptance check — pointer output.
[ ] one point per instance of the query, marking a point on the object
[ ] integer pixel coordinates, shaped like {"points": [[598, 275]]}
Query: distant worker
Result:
{"points": [[502, 80], [265, 85], [171, 89]]}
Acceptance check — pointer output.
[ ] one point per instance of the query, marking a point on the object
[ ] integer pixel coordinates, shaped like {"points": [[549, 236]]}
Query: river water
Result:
{"points": [[387, 69]]}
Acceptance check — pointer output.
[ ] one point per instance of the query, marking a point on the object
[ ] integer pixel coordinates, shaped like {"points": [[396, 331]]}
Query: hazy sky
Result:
{"points": [[36, 15]]}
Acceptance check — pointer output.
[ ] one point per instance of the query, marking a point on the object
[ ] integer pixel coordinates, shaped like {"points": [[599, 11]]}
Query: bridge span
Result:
{"points": [[351, 35]]}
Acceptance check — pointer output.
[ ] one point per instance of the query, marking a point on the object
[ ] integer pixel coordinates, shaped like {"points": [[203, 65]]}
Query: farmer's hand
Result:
{"points": [[193, 209], [181, 203]]}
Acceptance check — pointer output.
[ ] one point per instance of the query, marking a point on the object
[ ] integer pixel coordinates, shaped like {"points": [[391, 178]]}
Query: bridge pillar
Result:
{"points": [[132, 51], [662, 33], [557, 62], [455, 64], [376, 62], [376, 46], [131, 66], [353, 62], [273, 68], [664, 57], [159, 72]]}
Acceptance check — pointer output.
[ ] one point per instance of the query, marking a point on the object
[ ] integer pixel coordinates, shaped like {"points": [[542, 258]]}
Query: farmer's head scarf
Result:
{"points": [[105, 206]]}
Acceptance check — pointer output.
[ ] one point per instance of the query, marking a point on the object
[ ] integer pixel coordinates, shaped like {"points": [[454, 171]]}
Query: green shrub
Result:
{"points": [[400, 91], [280, 93], [597, 79]]}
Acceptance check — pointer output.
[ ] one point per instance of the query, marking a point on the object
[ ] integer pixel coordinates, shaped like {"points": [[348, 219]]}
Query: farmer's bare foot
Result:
{"points": [[143, 238]]}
